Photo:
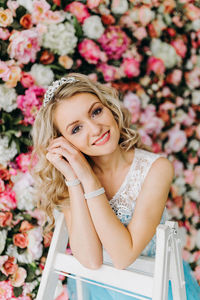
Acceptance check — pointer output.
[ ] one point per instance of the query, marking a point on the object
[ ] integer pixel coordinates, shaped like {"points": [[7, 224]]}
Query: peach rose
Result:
{"points": [[20, 240], [14, 77], [18, 278], [65, 61], [6, 17], [5, 218], [25, 226], [26, 21], [10, 266], [174, 77]]}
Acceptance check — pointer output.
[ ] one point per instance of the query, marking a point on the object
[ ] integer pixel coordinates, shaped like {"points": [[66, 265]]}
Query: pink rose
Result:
{"points": [[18, 278], [131, 67], [20, 240], [8, 200], [2, 186], [27, 80], [79, 10], [156, 65], [140, 33], [64, 295], [91, 52], [174, 77], [4, 71], [5, 218], [132, 102], [109, 72], [197, 177], [146, 139], [178, 167], [197, 272], [192, 12], [177, 140], [180, 47], [4, 34], [24, 45], [23, 161]]}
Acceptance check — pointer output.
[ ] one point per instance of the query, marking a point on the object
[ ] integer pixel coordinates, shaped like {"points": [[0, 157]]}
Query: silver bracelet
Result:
{"points": [[72, 182], [94, 193]]}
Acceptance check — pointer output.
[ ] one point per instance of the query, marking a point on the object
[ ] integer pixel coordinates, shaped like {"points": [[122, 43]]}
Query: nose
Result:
{"points": [[94, 128]]}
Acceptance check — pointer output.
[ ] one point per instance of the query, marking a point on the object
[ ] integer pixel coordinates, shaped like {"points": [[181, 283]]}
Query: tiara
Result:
{"points": [[53, 87]]}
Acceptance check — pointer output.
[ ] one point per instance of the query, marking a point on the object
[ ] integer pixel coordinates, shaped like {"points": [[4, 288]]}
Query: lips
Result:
{"points": [[100, 137]]}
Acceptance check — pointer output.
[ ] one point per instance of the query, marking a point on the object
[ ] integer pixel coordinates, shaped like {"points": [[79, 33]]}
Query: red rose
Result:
{"points": [[5, 218], [20, 240], [26, 21], [46, 57]]}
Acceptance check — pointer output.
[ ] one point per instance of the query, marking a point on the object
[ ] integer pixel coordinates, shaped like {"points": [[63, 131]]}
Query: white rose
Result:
{"points": [[43, 75], [92, 27], [7, 153], [8, 98], [194, 194], [165, 52], [35, 246], [24, 190], [3, 236], [119, 6], [60, 38], [196, 97], [194, 144]]}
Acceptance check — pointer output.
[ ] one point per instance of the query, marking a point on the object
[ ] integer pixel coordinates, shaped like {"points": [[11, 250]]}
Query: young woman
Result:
{"points": [[111, 188]]}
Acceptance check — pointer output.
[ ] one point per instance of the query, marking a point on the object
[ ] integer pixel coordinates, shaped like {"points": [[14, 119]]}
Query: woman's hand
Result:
{"points": [[68, 159]]}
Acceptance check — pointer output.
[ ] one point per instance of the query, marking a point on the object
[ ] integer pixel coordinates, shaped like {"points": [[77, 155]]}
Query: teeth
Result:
{"points": [[101, 140]]}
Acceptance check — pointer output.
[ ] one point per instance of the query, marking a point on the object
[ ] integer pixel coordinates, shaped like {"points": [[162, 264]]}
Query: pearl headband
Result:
{"points": [[53, 87]]}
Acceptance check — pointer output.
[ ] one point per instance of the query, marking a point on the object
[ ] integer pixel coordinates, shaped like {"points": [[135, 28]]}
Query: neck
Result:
{"points": [[109, 164]]}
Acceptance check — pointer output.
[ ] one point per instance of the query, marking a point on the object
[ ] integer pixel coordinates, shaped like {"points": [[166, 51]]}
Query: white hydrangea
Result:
{"points": [[196, 97], [7, 153], [24, 190], [165, 52], [92, 27], [179, 183], [8, 98], [119, 6], [3, 236], [43, 75], [28, 4], [34, 248], [60, 38]]}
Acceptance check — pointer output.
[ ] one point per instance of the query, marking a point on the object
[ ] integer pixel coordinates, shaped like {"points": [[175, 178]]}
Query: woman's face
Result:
{"points": [[89, 125]]}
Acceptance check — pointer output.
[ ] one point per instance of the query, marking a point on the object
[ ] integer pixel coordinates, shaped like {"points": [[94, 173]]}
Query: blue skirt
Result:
{"points": [[93, 292]]}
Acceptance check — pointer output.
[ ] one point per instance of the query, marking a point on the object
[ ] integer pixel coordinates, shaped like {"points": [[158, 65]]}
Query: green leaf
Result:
{"points": [[78, 28], [2, 276], [17, 291], [30, 273]]}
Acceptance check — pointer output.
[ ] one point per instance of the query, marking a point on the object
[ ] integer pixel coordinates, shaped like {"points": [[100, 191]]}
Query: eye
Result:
{"points": [[75, 129], [97, 111]]}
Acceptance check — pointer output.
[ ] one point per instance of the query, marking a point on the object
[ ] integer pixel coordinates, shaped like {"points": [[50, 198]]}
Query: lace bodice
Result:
{"points": [[123, 202]]}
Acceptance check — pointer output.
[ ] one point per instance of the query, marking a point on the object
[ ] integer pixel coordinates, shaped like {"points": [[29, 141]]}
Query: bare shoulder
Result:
{"points": [[162, 168]]}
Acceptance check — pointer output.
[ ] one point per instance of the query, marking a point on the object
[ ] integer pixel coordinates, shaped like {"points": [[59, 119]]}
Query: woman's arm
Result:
{"points": [[84, 241], [123, 244]]}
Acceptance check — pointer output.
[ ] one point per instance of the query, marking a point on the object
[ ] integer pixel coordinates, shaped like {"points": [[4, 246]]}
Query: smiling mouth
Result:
{"points": [[102, 139]]}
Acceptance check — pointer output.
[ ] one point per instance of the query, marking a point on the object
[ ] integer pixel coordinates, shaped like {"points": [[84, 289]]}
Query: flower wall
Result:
{"points": [[150, 51]]}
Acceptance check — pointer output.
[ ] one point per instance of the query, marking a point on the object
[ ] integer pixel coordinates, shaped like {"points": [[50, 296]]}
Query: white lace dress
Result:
{"points": [[124, 201]]}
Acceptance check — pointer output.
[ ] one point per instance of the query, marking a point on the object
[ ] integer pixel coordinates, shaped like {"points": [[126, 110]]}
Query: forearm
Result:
{"points": [[114, 236], [84, 241]]}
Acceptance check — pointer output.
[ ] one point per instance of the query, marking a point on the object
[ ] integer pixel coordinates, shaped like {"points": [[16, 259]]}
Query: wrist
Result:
{"points": [[91, 184]]}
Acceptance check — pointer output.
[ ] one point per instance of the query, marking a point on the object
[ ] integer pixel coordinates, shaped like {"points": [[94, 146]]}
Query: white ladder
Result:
{"points": [[146, 277]]}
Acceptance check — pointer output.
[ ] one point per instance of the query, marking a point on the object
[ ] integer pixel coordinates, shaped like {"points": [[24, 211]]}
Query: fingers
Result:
{"points": [[63, 143], [59, 151]]}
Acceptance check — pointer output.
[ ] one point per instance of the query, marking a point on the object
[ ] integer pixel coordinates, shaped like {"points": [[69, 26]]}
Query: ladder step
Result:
{"points": [[107, 274]]}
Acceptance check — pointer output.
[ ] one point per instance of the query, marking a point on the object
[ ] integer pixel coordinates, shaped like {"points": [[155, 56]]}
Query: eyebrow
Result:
{"points": [[88, 113]]}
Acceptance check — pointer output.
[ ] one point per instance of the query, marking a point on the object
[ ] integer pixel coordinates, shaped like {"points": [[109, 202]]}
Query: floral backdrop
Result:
{"points": [[150, 51]]}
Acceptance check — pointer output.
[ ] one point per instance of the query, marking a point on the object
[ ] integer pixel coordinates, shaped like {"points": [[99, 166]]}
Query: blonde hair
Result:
{"points": [[50, 188]]}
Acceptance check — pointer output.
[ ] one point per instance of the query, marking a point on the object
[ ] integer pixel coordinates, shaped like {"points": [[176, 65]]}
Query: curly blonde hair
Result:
{"points": [[51, 190]]}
